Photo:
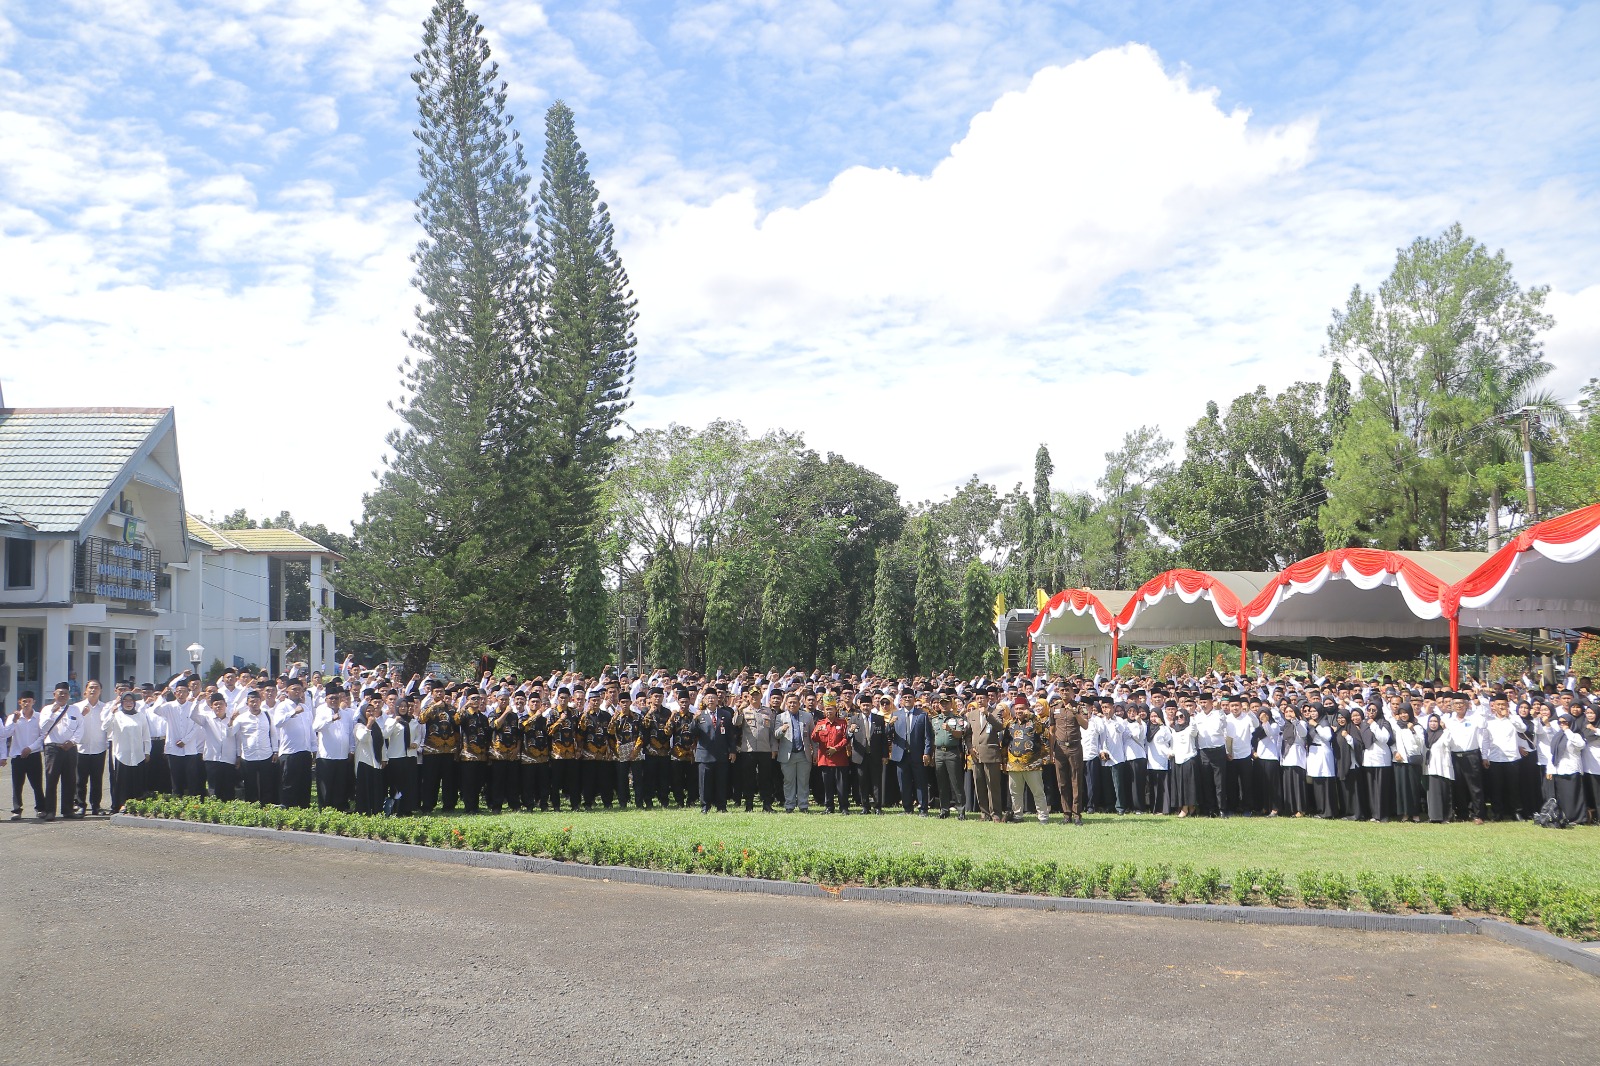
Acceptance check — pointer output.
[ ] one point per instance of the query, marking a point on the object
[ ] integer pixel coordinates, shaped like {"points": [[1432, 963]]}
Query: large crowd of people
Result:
{"points": [[1003, 749]]}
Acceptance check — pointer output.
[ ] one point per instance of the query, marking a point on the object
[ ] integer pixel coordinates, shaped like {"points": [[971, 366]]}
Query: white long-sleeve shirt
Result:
{"points": [[61, 725], [256, 735], [1238, 733], [218, 741], [334, 731], [24, 734], [1378, 753], [183, 736], [293, 723], [128, 737], [1567, 747], [94, 715], [1500, 738], [1210, 727]]}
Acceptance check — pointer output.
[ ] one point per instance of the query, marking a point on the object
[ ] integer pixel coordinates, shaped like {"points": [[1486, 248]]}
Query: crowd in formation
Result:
{"points": [[1000, 749]]}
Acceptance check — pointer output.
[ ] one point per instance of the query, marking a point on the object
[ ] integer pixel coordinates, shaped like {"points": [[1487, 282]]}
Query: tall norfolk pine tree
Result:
{"points": [[454, 525]]}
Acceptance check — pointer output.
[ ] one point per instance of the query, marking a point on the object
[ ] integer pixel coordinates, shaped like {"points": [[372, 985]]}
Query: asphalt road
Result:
{"points": [[140, 945]]}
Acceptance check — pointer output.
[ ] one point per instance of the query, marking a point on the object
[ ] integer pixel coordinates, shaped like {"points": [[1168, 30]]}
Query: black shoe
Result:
{"points": [[16, 816], [47, 817]]}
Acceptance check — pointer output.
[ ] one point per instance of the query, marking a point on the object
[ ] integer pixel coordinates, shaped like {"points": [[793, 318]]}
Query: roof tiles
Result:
{"points": [[56, 464]]}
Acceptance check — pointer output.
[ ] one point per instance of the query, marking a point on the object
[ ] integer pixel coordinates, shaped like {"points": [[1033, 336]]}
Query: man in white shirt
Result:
{"points": [[185, 759], [1211, 731], [1238, 739], [297, 745], [333, 725], [27, 764], [91, 751], [1464, 737], [258, 749], [1502, 756], [232, 690], [60, 733], [219, 747]]}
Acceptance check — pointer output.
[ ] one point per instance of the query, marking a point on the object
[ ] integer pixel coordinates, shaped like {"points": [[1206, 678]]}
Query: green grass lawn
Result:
{"points": [[1292, 844]]}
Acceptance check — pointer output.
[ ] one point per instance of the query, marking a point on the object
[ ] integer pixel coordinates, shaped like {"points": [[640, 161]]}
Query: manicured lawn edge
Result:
{"points": [[1430, 900]]}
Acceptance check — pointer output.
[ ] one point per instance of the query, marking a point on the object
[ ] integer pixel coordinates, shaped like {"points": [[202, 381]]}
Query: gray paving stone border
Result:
{"points": [[1551, 947]]}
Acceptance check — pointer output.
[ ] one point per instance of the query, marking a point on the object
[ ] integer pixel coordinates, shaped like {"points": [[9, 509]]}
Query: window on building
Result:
{"points": [[19, 563]]}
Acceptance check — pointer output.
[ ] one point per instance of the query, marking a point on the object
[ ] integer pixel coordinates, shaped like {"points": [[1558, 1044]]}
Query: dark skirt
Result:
{"points": [[1569, 795], [1183, 783], [1292, 785], [1160, 785], [1407, 789], [1324, 796], [1267, 775]]}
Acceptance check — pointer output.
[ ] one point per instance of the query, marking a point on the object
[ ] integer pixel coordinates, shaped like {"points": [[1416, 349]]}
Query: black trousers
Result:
{"points": [[753, 773], [369, 789], [1213, 783], [1469, 783], [564, 782], [60, 778], [126, 783], [91, 781], [1139, 797], [260, 781], [1504, 797], [630, 782], [1121, 785], [833, 789], [685, 782], [535, 779], [869, 783], [599, 781], [474, 773], [656, 782], [713, 784], [1292, 790], [295, 791], [28, 768], [1380, 787], [440, 773], [187, 774], [1241, 796], [156, 774], [221, 776], [400, 778], [505, 783], [333, 783]]}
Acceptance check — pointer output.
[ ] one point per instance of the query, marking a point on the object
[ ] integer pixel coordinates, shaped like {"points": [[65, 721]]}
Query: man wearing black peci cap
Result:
{"points": [[59, 734]]}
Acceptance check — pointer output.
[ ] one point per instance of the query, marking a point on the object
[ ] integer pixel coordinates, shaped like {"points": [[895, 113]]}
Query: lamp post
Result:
{"points": [[196, 653]]}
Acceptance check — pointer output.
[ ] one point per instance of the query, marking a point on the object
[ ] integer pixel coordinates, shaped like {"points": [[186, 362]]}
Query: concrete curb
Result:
{"points": [[1551, 947]]}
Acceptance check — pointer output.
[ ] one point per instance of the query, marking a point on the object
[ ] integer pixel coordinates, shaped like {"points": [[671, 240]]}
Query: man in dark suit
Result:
{"points": [[869, 743], [714, 748], [911, 751]]}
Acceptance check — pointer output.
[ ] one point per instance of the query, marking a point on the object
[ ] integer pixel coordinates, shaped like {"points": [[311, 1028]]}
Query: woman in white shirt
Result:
{"points": [[128, 737], [1183, 780], [1264, 764], [1565, 772], [1590, 721], [1292, 763], [1158, 767], [1439, 770], [1409, 752], [1322, 765]]}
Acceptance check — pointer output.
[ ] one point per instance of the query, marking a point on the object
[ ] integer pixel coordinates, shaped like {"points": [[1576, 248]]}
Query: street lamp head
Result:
{"points": [[196, 653]]}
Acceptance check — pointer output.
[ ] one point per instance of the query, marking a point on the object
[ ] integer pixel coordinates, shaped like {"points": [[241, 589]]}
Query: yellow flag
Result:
{"points": [[1043, 598], [999, 607]]}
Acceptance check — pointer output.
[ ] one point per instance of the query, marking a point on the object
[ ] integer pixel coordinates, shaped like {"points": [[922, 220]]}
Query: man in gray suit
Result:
{"points": [[795, 751]]}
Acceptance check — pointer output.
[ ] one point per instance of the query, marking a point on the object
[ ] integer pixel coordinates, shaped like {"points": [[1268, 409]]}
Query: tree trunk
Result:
{"points": [[1444, 521], [416, 661], [1494, 517]]}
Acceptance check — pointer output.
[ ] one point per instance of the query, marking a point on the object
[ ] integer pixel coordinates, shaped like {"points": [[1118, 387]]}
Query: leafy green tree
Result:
{"points": [[933, 622], [893, 653], [1246, 495], [1128, 552], [586, 315], [979, 650], [452, 540], [1447, 330], [733, 613], [588, 610], [1570, 478], [663, 625]]}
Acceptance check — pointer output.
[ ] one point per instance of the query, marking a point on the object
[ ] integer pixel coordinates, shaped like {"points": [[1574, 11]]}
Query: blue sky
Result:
{"points": [[1018, 222]]}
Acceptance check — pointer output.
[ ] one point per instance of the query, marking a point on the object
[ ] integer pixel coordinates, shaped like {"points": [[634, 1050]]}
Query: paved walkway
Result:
{"points": [[138, 945]]}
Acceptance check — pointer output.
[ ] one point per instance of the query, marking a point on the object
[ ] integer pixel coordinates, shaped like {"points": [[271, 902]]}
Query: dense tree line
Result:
{"points": [[512, 520]]}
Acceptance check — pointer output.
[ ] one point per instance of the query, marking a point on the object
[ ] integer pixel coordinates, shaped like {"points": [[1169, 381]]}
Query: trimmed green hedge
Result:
{"points": [[1561, 909]]}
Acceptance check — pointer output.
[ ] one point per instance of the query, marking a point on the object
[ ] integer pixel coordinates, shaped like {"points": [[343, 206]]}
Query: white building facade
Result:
{"points": [[104, 576]]}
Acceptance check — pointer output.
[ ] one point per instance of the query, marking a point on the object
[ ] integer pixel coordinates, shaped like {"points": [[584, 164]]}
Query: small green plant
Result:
{"points": [[1153, 882], [1210, 884], [1098, 882], [1243, 887], [1186, 884], [1337, 890], [1312, 891], [1375, 890], [1124, 878], [1274, 889], [1438, 893], [1407, 891]]}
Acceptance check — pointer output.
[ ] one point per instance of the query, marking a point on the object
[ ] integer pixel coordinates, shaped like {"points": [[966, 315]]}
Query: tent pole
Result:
{"points": [[1244, 648], [1455, 653], [1113, 652]]}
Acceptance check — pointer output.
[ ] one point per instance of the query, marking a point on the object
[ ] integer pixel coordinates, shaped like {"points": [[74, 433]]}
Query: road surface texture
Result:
{"points": [[151, 946]]}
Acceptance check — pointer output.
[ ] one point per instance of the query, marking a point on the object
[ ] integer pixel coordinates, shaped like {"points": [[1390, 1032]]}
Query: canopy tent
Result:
{"points": [[1547, 577], [1078, 616], [1360, 592], [1184, 606]]}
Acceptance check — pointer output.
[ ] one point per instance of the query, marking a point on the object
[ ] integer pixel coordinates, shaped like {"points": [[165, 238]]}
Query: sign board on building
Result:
{"points": [[127, 572]]}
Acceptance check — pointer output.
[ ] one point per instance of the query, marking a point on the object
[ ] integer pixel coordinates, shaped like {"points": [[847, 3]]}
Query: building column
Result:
{"points": [[108, 660], [144, 656], [317, 656], [55, 652]]}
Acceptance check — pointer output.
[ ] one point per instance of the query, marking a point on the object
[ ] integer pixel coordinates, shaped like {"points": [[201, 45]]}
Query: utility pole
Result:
{"points": [[1527, 463]]}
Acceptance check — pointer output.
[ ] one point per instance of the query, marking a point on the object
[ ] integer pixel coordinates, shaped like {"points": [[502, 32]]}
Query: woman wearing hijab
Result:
{"points": [[1268, 756], [1352, 782], [1567, 745], [1377, 763], [1322, 762], [128, 734], [1158, 767], [1183, 779], [1292, 764], [1409, 754], [1591, 760], [1440, 771]]}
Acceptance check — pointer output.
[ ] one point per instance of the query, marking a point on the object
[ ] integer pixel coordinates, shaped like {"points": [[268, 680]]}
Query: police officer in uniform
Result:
{"points": [[1066, 750]]}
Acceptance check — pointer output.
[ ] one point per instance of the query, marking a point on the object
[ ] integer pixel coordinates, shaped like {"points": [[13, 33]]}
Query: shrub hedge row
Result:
{"points": [[1561, 909]]}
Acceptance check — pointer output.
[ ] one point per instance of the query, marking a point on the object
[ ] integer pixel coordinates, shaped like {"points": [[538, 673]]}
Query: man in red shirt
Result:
{"points": [[832, 737]]}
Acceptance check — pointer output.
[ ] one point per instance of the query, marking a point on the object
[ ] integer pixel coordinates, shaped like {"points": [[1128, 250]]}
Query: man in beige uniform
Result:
{"points": [[988, 759]]}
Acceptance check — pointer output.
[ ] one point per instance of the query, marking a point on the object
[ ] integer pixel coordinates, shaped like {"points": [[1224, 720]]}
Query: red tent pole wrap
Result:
{"points": [[1244, 646], [1455, 650], [1113, 652], [1027, 668]]}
